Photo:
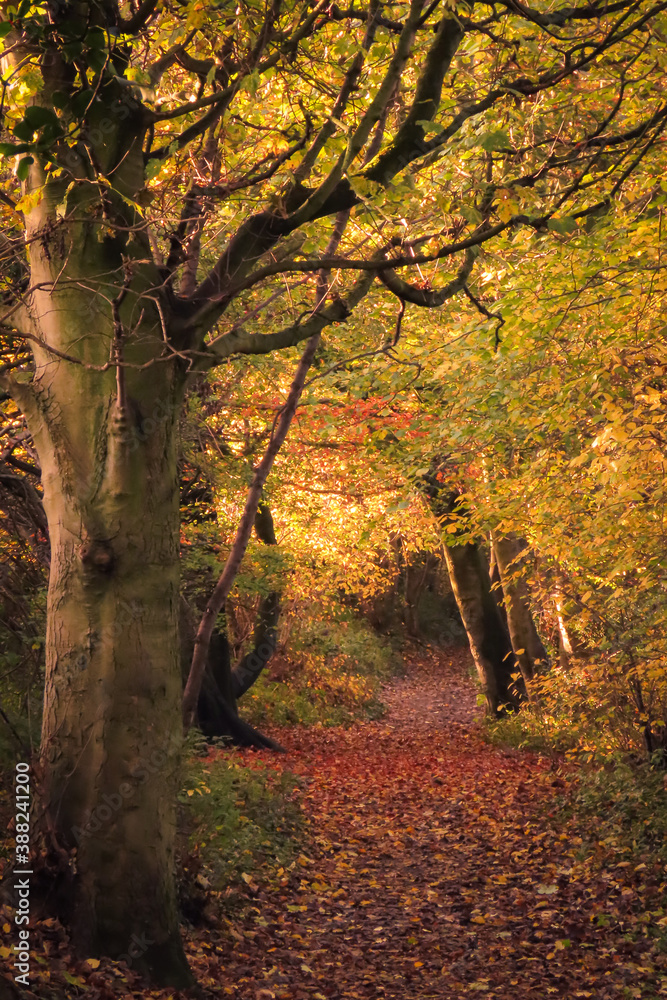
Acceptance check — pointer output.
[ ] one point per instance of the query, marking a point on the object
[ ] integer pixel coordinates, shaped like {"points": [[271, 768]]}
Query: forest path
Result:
{"points": [[435, 867]]}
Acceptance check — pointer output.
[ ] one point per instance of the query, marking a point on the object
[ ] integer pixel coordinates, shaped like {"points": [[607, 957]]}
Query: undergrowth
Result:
{"points": [[335, 671], [625, 802], [235, 820], [618, 795]]}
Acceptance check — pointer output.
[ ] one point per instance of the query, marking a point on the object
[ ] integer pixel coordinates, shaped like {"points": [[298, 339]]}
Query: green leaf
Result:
{"points": [[251, 83], [13, 149], [495, 141], [80, 102], [97, 59], [565, 225], [38, 116], [96, 38], [24, 167], [60, 99], [430, 128], [23, 130]]}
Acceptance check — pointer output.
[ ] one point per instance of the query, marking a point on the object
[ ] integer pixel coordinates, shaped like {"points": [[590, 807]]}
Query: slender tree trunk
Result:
{"points": [[468, 569], [497, 586], [526, 643], [489, 643], [253, 505], [569, 643], [249, 668], [235, 557]]}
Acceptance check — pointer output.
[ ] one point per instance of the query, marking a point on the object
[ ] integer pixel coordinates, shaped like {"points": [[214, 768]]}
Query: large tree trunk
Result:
{"points": [[489, 642], [526, 643], [103, 408], [112, 727]]}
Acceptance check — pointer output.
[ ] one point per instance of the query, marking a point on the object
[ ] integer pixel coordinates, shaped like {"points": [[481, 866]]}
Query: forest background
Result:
{"points": [[460, 212]]}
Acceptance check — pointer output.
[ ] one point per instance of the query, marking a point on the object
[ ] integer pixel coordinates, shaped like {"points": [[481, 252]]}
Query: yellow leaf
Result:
{"points": [[30, 201], [94, 963], [477, 920]]}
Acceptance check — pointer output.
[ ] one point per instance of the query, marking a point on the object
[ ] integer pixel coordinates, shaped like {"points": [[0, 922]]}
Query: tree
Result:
{"points": [[559, 436], [528, 648], [468, 569], [177, 169]]}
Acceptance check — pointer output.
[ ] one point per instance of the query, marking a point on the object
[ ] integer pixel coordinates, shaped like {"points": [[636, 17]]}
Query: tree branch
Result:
{"points": [[238, 342], [426, 298], [135, 23], [410, 135]]}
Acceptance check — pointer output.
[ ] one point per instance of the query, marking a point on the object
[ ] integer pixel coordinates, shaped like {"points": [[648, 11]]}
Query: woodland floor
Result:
{"points": [[439, 867], [433, 866]]}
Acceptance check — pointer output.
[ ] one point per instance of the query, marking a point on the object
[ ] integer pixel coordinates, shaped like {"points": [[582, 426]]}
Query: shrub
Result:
{"points": [[235, 819], [337, 664]]}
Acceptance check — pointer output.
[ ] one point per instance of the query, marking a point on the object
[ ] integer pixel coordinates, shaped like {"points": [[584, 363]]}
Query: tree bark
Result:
{"points": [[489, 643], [528, 647], [111, 727], [103, 405]]}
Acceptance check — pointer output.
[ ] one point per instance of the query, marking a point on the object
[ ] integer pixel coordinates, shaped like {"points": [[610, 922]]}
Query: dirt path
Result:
{"points": [[435, 868]]}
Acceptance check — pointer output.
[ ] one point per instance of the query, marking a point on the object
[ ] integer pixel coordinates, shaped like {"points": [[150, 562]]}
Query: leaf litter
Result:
{"points": [[439, 867], [432, 867]]}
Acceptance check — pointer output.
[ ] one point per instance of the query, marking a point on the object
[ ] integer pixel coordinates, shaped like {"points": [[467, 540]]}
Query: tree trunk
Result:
{"points": [[497, 586], [469, 577], [217, 713], [112, 727], [526, 643], [240, 544], [248, 669], [489, 642], [106, 436], [570, 644]]}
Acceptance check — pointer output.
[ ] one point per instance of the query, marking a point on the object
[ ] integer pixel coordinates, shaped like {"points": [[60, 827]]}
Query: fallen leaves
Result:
{"points": [[434, 867], [439, 867]]}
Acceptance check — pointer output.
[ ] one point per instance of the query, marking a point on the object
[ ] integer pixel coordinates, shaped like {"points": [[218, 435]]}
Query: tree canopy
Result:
{"points": [[187, 187]]}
